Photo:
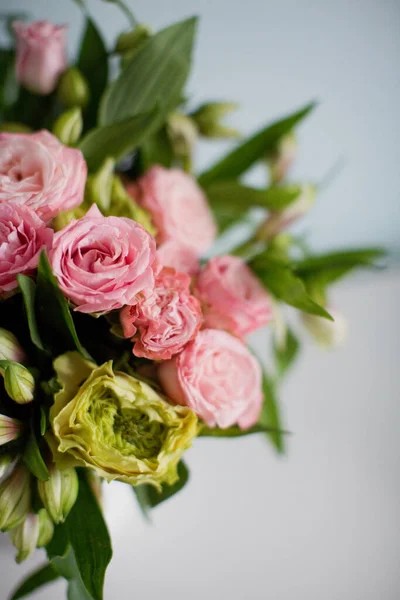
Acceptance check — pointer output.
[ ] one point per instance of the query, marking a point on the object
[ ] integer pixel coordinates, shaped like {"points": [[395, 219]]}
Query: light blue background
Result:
{"points": [[273, 57]]}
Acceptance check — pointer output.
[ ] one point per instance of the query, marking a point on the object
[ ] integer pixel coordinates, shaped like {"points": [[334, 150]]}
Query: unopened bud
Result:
{"points": [[59, 493], [99, 186], [123, 204], [68, 127], [208, 120], [282, 158], [10, 429], [15, 498], [183, 134], [73, 89], [25, 537], [46, 528], [6, 461], [328, 334], [10, 348], [130, 41], [19, 383]]}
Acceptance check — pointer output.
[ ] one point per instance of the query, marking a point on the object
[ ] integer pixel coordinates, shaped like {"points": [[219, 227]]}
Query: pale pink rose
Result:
{"points": [[218, 378], [102, 263], [178, 207], [166, 321], [41, 55], [36, 170], [22, 236], [182, 258], [232, 297]]}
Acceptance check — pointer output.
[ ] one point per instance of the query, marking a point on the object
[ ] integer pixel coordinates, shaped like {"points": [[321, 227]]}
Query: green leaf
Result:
{"points": [[156, 149], [58, 545], [253, 149], [43, 421], [284, 357], [52, 311], [334, 265], [8, 82], [281, 281], [33, 458], [116, 140], [141, 493], [93, 63], [151, 497], [42, 576], [66, 566], [89, 539], [154, 77], [235, 431], [28, 290], [270, 414]]}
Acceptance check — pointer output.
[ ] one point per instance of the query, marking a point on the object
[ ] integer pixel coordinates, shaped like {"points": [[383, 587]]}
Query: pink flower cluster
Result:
{"points": [[190, 318]]}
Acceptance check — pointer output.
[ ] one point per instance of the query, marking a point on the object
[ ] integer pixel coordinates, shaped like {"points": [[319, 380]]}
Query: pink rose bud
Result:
{"points": [[39, 172], [178, 208], [179, 257], [22, 237], [41, 55], [232, 297], [103, 263], [218, 378], [167, 320], [10, 429]]}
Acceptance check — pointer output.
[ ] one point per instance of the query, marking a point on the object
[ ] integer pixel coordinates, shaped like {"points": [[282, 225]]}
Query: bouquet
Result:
{"points": [[123, 326]]}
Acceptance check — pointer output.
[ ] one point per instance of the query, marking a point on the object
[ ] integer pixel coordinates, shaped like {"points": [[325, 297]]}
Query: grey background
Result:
{"points": [[323, 522]]}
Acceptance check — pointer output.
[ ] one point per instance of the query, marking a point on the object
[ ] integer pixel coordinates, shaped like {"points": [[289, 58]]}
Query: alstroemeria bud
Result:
{"points": [[183, 134], [15, 498], [130, 41], [328, 334], [73, 89], [208, 120], [280, 219], [46, 528], [25, 537], [5, 464], [10, 348], [69, 125], [282, 158], [10, 429], [19, 383], [59, 493]]}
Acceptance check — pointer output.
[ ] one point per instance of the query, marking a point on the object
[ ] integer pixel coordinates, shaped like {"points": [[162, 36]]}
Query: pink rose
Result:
{"points": [[218, 378], [167, 320], [232, 297], [178, 207], [39, 172], [41, 55], [102, 263], [22, 237], [182, 258]]}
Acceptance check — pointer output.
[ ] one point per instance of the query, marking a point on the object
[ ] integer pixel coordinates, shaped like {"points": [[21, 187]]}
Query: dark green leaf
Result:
{"points": [[141, 493], [42, 576], [270, 415], [58, 545], [43, 421], [235, 431], [154, 77], [156, 150], [116, 140], [89, 539], [280, 280], [67, 567], [53, 313], [285, 356], [28, 290], [253, 149], [93, 62], [8, 83], [154, 497], [33, 458]]}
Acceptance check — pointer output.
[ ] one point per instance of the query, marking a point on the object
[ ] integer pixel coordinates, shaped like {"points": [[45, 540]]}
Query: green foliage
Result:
{"points": [[234, 431], [33, 459], [116, 140], [149, 497], [286, 355], [42, 576], [253, 149], [270, 414], [156, 150], [154, 77], [28, 290]]}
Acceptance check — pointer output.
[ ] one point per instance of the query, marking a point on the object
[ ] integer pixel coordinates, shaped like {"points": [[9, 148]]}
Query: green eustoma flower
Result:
{"points": [[116, 424]]}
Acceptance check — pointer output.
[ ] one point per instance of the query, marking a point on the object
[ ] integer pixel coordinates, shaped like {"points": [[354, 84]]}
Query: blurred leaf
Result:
{"points": [[116, 140], [150, 497], [33, 458], [28, 290], [8, 82], [156, 149], [270, 414], [281, 281], [93, 62], [235, 431], [285, 356], [89, 539], [154, 77], [253, 149], [141, 493], [42, 576]]}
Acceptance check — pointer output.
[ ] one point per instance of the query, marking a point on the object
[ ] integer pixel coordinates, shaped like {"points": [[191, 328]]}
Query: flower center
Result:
{"points": [[138, 434]]}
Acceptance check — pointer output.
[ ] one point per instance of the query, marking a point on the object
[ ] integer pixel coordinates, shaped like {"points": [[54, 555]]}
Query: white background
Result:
{"points": [[322, 523]]}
